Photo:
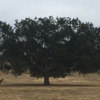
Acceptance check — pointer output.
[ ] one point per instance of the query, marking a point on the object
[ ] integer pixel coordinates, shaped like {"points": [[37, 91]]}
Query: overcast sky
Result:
{"points": [[85, 10]]}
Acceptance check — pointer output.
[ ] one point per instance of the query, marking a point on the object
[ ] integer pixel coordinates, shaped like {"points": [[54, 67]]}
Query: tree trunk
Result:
{"points": [[46, 78]]}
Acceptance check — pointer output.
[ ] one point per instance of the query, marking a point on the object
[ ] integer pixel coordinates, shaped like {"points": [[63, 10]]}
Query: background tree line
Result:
{"points": [[49, 47]]}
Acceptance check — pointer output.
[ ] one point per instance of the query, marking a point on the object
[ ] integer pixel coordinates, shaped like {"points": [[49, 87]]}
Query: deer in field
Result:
{"points": [[1, 81]]}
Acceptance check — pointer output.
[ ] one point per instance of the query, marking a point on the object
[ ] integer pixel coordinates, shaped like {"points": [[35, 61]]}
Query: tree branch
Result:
{"points": [[37, 66], [52, 64], [40, 68], [51, 69]]}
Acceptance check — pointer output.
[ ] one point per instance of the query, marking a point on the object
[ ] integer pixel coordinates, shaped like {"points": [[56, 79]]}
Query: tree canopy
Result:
{"points": [[49, 47]]}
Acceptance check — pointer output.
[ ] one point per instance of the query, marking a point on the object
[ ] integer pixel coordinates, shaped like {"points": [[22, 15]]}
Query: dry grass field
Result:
{"points": [[72, 87]]}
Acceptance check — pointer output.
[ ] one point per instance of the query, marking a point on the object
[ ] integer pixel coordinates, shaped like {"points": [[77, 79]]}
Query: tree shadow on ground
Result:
{"points": [[56, 85]]}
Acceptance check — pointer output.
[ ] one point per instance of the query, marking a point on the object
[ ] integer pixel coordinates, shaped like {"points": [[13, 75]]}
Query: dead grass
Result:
{"points": [[73, 87]]}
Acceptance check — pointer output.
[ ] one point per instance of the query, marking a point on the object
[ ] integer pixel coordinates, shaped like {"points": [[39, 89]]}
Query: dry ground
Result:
{"points": [[73, 87]]}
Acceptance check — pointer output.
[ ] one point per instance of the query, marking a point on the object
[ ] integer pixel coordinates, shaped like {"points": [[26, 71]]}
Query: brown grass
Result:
{"points": [[73, 87]]}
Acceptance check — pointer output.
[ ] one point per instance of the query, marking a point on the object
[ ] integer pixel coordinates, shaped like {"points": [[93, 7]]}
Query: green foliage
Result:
{"points": [[97, 62], [85, 65], [44, 42], [55, 46]]}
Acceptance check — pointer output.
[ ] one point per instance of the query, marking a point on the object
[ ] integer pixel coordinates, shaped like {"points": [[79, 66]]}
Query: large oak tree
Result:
{"points": [[49, 47]]}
